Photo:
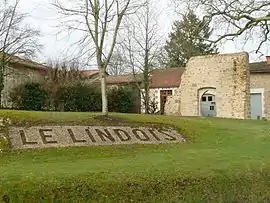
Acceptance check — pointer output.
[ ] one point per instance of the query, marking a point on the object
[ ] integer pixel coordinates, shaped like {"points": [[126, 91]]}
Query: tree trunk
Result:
{"points": [[2, 78], [1, 98], [103, 92], [146, 79], [146, 89]]}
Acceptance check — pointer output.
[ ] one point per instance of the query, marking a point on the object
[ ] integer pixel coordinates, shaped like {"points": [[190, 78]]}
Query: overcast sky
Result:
{"points": [[43, 17]]}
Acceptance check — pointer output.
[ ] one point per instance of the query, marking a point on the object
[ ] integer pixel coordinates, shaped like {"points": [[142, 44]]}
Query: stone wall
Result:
{"points": [[172, 106], [262, 80], [15, 77], [226, 74]]}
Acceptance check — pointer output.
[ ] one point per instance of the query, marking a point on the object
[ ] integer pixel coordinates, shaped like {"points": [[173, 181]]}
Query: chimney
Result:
{"points": [[268, 60]]}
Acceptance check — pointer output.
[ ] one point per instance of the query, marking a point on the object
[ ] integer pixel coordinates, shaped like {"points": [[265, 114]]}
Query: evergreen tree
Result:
{"points": [[187, 39]]}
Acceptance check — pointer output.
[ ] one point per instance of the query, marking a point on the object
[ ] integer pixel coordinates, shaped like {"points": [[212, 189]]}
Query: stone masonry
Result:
{"points": [[224, 75]]}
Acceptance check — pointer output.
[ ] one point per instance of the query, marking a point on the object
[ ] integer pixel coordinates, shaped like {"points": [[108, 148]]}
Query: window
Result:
{"points": [[166, 92], [169, 92], [203, 99], [210, 98], [212, 108]]}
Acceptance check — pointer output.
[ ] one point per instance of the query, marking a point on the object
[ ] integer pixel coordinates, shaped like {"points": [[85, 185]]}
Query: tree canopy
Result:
{"points": [[249, 19], [187, 39]]}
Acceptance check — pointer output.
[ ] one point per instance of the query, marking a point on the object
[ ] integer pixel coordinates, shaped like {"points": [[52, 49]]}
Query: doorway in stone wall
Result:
{"points": [[208, 105], [163, 98]]}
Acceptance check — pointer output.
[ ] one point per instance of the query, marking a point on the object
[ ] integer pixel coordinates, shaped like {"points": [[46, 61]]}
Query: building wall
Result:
{"points": [[17, 76], [226, 74], [262, 81], [154, 95]]}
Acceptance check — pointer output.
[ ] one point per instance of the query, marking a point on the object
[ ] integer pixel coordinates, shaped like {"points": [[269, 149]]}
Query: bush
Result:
{"points": [[79, 98], [4, 143], [29, 96], [120, 100], [82, 98], [76, 98]]}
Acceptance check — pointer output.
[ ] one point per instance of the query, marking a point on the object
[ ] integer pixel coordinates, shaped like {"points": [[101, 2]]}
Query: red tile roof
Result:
{"points": [[122, 79], [159, 78], [89, 73], [259, 67], [163, 78]]}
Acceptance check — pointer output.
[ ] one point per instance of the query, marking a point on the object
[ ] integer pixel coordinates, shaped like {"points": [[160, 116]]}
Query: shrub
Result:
{"points": [[76, 97], [120, 100], [29, 96], [79, 98], [4, 130], [60, 74], [83, 98]]}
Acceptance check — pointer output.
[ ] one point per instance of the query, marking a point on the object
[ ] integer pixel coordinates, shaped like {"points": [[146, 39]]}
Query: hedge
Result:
{"points": [[120, 100], [79, 98], [76, 98], [223, 187], [29, 96]]}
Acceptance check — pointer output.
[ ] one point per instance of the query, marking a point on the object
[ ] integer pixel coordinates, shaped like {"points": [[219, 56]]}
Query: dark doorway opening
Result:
{"points": [[163, 98]]}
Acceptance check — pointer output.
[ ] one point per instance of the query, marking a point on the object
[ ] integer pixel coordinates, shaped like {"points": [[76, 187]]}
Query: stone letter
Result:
{"points": [[146, 138], [102, 135], [154, 135], [73, 137], [117, 131], [169, 138], [44, 136], [90, 135], [24, 141]]}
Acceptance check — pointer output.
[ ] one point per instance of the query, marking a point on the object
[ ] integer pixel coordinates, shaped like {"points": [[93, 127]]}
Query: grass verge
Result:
{"points": [[225, 160]]}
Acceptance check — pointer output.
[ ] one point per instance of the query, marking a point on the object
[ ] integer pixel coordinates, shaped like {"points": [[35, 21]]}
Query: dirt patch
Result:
{"points": [[113, 120], [110, 119]]}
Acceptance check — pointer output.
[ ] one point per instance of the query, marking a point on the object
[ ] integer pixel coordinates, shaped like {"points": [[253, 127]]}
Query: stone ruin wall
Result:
{"points": [[227, 75]]}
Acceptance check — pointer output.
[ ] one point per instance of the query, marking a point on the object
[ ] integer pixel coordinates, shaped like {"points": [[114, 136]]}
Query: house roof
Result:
{"points": [[28, 63], [123, 79], [259, 67], [159, 78], [163, 78], [89, 73]]}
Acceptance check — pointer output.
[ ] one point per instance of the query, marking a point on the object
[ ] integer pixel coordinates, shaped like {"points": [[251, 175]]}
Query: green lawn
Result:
{"points": [[224, 160]]}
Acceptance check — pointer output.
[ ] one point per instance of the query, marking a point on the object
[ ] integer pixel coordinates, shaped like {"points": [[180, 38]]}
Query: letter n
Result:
{"points": [[105, 135]]}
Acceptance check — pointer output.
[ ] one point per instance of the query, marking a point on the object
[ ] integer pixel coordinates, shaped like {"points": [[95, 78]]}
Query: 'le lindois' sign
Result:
{"points": [[57, 136]]}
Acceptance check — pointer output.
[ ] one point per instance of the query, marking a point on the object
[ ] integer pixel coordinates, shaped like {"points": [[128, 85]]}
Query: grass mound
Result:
{"points": [[224, 160]]}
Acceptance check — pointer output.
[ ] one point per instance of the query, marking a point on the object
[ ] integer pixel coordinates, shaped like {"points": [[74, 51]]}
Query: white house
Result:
{"points": [[163, 83]]}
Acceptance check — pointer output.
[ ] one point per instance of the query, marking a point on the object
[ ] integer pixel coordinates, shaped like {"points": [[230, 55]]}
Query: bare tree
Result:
{"points": [[118, 64], [16, 38], [61, 73], [236, 18], [142, 45], [99, 21]]}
